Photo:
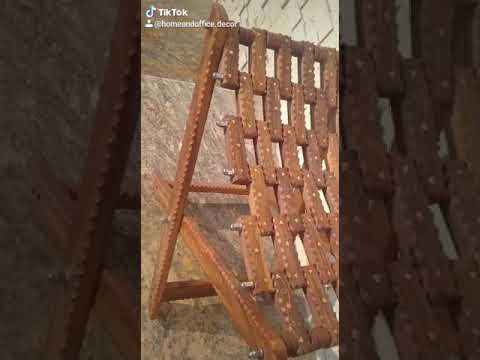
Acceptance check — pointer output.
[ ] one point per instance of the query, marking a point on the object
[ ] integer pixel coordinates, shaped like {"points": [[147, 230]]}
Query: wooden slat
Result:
{"points": [[460, 122], [419, 131], [360, 116], [432, 34], [378, 33], [317, 248], [464, 208], [283, 67], [323, 315], [295, 333], [297, 114], [254, 257], [373, 282], [229, 62], [418, 314], [218, 188], [330, 78], [236, 152], [333, 154], [308, 73], [188, 289], [264, 153], [468, 276], [413, 222], [258, 56], [285, 255], [245, 106], [290, 200], [332, 193], [355, 329], [258, 201], [272, 109], [320, 119], [314, 158], [313, 203], [290, 156]]}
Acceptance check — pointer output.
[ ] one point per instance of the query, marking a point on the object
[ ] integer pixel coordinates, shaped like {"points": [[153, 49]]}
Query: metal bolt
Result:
{"points": [[331, 258], [164, 220], [57, 276], [247, 284], [228, 172], [377, 278], [236, 227], [259, 298], [217, 76], [255, 354], [221, 124]]}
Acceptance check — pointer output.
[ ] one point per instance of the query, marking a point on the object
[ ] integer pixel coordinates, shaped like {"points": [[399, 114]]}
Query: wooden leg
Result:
{"points": [[116, 118], [202, 95], [115, 305], [205, 187]]}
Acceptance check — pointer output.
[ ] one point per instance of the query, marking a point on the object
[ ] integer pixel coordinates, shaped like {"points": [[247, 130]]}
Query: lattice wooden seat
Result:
{"points": [[285, 200], [394, 196]]}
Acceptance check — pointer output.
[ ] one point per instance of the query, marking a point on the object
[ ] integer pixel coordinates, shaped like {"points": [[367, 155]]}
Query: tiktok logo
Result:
{"points": [[149, 14]]}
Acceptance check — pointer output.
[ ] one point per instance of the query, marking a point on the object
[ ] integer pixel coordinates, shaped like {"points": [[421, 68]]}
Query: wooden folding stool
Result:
{"points": [[296, 208], [78, 218]]}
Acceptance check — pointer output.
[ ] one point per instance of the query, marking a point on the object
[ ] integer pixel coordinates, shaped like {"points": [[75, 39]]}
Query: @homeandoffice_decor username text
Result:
{"points": [[193, 24]]}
